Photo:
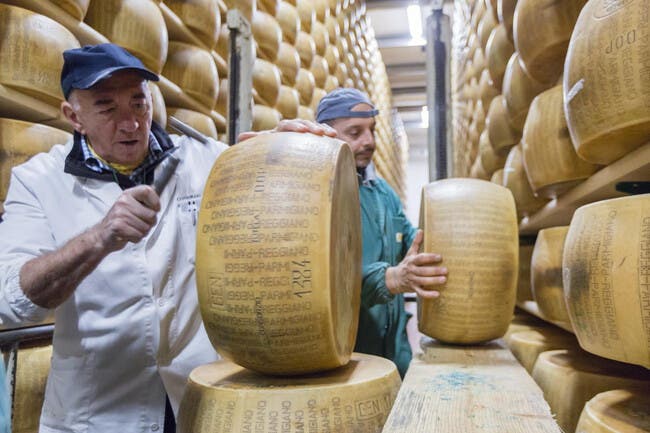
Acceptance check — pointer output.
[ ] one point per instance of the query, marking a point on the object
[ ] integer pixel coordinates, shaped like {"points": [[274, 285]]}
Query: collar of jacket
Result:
{"points": [[75, 163], [367, 176]]}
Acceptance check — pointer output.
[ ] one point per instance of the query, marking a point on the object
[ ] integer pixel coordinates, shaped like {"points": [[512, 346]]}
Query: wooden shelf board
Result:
{"points": [[532, 308], [17, 105], [634, 166], [468, 389]]}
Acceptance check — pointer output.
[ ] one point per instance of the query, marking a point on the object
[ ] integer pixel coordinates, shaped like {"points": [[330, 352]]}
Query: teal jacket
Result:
{"points": [[387, 234]]}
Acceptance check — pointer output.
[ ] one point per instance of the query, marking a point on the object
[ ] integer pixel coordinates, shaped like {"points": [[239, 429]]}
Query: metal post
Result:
{"points": [[240, 79]]}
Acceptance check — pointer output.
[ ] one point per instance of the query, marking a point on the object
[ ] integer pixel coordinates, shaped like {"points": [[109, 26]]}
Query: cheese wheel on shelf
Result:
{"points": [[489, 159], [306, 48], [289, 63], [487, 91], [497, 177], [551, 162], [221, 106], [75, 8], [322, 10], [321, 37], [477, 14], [318, 95], [289, 21], [498, 51], [194, 71], [502, 135], [267, 34], [605, 277], [485, 27], [478, 61], [31, 50], [223, 42], [605, 86], [265, 118], [331, 83], [202, 17], [542, 32], [320, 69], [32, 369], [266, 82], [356, 398], [523, 322], [506, 11], [524, 291], [199, 121], [335, 7], [332, 58], [616, 411], [333, 29], [527, 345], [279, 253], [570, 378], [158, 101], [515, 179], [135, 25], [271, 7], [246, 7], [288, 102], [472, 224], [478, 171], [306, 113], [305, 84], [307, 14]]}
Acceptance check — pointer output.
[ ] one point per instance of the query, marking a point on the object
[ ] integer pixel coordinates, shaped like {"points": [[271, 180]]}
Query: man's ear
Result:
{"points": [[71, 116]]}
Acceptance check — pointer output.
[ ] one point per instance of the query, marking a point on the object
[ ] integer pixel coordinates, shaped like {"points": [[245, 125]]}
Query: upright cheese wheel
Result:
{"points": [[315, 100], [320, 69], [278, 263], [605, 273], [75, 8], [527, 345], [489, 159], [267, 34], [32, 369], [487, 89], [265, 118], [269, 6], [498, 51], [306, 48], [159, 109], [472, 224], [542, 31], [332, 58], [289, 21], [223, 42], [266, 82], [524, 291], [321, 37], [546, 274], [551, 162], [331, 83], [506, 11], [199, 121], [305, 85], [221, 106], [485, 27], [356, 398], [306, 113], [515, 179], [288, 102], [333, 29], [201, 16], [477, 14], [478, 171], [478, 61], [135, 25], [497, 177], [616, 411], [307, 14], [289, 63], [519, 90], [569, 378], [193, 70], [31, 47], [19, 141], [322, 10], [607, 112], [523, 322], [502, 135]]}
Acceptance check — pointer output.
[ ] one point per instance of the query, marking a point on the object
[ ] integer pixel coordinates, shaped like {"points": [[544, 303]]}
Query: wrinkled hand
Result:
{"points": [[129, 219], [416, 272], [293, 125]]}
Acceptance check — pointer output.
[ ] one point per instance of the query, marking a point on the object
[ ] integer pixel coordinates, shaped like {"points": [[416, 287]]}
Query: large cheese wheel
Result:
{"points": [[193, 70], [519, 90], [497, 177], [136, 25], [199, 121], [271, 7], [322, 10], [356, 398], [307, 14], [498, 51], [19, 141], [306, 113], [551, 162], [306, 48], [75, 8], [305, 85], [335, 7], [221, 106], [333, 29], [201, 16], [289, 21], [477, 14], [320, 69], [524, 291], [515, 179], [31, 47], [605, 273], [265, 118], [315, 100], [477, 170], [542, 31], [267, 34], [266, 82], [485, 27], [331, 83], [289, 63], [223, 42], [527, 345], [506, 11], [321, 37], [332, 58], [569, 378], [159, 109], [32, 369], [472, 224], [502, 135], [278, 263], [478, 61], [489, 159], [616, 411], [605, 86], [487, 90], [288, 102]]}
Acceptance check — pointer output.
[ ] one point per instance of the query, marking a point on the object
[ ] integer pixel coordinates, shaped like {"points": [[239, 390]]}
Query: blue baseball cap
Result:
{"points": [[339, 103], [84, 67]]}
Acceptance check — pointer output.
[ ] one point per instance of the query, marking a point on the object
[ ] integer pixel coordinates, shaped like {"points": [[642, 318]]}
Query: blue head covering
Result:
{"points": [[339, 102]]}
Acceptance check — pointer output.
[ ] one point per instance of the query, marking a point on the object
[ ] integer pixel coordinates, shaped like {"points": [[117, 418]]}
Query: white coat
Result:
{"points": [[132, 329]]}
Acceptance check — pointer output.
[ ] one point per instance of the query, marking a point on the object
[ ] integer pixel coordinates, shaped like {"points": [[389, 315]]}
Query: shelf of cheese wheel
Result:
{"points": [[289, 63], [501, 134], [515, 179], [21, 140], [524, 322], [527, 345], [616, 411], [199, 121], [355, 398], [472, 224], [551, 162], [32, 369], [287, 17], [267, 34], [498, 51], [288, 102], [541, 33], [305, 85], [321, 37], [605, 270], [297, 261], [570, 378], [266, 82]]}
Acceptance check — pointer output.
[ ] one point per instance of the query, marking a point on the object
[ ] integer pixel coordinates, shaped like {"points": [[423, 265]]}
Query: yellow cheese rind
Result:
{"points": [[515, 179], [76, 8], [472, 224], [32, 369], [605, 275], [199, 121], [305, 85], [266, 82], [288, 102], [202, 17], [265, 118], [193, 70], [616, 411], [267, 34], [502, 135], [524, 292], [289, 63], [527, 345], [279, 254]]}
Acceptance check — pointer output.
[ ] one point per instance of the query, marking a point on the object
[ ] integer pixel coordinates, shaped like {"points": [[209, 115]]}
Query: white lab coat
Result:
{"points": [[132, 329]]}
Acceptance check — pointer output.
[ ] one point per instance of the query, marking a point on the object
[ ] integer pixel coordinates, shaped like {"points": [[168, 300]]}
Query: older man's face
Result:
{"points": [[359, 133], [115, 115]]}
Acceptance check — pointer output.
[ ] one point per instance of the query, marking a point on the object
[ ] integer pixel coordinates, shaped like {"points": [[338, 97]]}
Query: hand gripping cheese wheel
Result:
{"points": [[524, 292], [75, 8], [542, 31], [527, 345], [19, 141], [606, 90], [202, 17], [616, 411], [199, 121], [31, 47], [159, 108], [194, 71], [289, 63], [498, 51], [551, 162], [502, 135], [267, 34], [278, 264], [265, 118], [266, 82], [136, 25], [288, 102], [606, 277], [515, 179], [472, 224], [356, 398], [570, 378], [305, 85], [289, 21]]}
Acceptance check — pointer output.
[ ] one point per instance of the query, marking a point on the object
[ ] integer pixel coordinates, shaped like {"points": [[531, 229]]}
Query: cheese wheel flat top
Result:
{"points": [[616, 411]]}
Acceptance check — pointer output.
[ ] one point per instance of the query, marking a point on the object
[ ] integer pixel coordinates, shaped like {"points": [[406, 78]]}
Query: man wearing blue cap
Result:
{"points": [[391, 262], [86, 235]]}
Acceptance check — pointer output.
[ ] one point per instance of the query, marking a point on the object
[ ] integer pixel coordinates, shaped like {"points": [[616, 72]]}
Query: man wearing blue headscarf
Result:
{"points": [[391, 262]]}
